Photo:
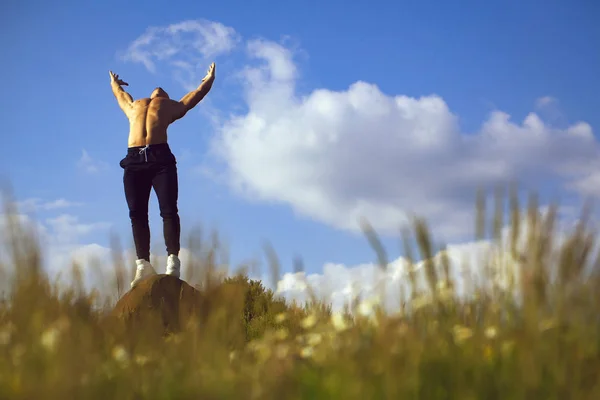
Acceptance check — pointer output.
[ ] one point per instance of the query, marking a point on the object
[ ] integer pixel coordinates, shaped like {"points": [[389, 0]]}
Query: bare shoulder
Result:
{"points": [[174, 104], [141, 102], [176, 108]]}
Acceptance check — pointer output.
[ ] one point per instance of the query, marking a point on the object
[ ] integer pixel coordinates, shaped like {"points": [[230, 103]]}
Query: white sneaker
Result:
{"points": [[143, 271], [173, 265]]}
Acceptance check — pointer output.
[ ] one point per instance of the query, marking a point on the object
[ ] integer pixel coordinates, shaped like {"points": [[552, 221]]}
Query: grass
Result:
{"points": [[529, 330]]}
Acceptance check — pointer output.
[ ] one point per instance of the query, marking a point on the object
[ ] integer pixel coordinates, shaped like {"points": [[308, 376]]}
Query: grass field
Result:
{"points": [[537, 336]]}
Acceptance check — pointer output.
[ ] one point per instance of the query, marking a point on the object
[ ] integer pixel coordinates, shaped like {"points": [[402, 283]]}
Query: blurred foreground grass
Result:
{"points": [[531, 330]]}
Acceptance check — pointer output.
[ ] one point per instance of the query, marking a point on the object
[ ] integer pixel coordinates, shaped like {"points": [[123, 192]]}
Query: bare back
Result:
{"points": [[150, 118]]}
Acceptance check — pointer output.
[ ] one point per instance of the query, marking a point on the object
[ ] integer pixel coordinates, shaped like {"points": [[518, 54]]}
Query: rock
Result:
{"points": [[167, 299]]}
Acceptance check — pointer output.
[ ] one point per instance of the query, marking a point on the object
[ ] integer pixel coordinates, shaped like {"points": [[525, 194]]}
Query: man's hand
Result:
{"points": [[115, 78], [191, 99], [210, 74]]}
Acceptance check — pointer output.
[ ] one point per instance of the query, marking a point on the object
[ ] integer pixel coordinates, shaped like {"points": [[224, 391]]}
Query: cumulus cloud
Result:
{"points": [[339, 284], [336, 156], [89, 164], [471, 264]]}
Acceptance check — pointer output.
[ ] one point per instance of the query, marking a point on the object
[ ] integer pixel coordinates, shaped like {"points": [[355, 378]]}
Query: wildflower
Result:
{"points": [[402, 328], [338, 322], [307, 352], [444, 290], [491, 332], [441, 285], [174, 338], [420, 302], [461, 333], [279, 318], [507, 346], [314, 339], [141, 360], [17, 354], [281, 334], [488, 353], [432, 327], [263, 352], [547, 324], [367, 307], [309, 321], [120, 355], [281, 351], [6, 334], [5, 337], [50, 338]]}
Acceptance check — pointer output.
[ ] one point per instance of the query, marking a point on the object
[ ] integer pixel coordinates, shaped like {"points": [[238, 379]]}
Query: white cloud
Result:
{"points": [[545, 101], [64, 240], [90, 165], [186, 47], [67, 228], [37, 204], [335, 156], [340, 285]]}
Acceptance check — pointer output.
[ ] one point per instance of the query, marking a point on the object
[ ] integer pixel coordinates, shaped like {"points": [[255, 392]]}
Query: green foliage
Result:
{"points": [[261, 307], [529, 330]]}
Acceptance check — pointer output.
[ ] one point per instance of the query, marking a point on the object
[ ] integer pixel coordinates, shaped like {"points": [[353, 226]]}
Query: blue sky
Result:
{"points": [[328, 140]]}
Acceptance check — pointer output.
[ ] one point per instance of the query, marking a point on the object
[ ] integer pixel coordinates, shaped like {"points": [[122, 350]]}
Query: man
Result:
{"points": [[149, 164]]}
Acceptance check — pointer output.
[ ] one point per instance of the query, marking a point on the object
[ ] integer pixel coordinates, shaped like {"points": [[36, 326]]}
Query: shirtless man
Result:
{"points": [[149, 164]]}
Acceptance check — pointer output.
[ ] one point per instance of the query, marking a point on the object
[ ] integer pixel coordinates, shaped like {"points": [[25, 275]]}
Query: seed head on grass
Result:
{"points": [[309, 322], [339, 322], [461, 333], [120, 355]]}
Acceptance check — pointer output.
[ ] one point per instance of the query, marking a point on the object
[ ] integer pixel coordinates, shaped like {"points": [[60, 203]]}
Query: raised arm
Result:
{"points": [[125, 100], [194, 97]]}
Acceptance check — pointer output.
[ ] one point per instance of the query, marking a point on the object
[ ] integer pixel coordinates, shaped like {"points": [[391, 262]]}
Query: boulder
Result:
{"points": [[166, 299]]}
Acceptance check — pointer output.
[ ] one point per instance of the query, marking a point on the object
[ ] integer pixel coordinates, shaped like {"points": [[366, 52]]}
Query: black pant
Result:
{"points": [[148, 167]]}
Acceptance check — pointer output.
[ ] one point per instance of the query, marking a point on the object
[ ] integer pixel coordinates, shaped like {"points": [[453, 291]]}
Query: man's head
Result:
{"points": [[159, 92]]}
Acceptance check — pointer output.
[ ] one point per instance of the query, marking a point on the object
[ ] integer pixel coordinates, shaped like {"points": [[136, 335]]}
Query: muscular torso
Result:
{"points": [[149, 120]]}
